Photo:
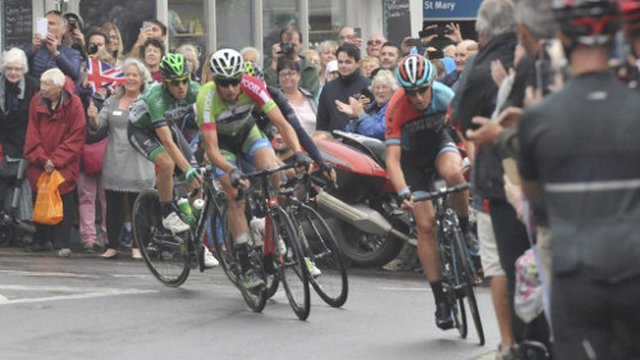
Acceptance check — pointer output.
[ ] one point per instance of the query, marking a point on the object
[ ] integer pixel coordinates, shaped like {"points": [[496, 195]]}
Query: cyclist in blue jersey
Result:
{"points": [[417, 146]]}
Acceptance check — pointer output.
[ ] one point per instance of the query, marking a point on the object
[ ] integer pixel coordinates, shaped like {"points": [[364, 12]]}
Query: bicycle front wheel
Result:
{"points": [[160, 249], [451, 279], [466, 272], [223, 243], [291, 264], [255, 299], [322, 256]]}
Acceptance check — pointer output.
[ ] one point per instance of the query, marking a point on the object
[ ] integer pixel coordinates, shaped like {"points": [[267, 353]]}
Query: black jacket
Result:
{"points": [[13, 122], [329, 117], [478, 98]]}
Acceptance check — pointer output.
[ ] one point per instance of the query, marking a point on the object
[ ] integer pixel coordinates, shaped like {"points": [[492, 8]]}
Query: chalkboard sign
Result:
{"points": [[397, 20], [17, 23]]}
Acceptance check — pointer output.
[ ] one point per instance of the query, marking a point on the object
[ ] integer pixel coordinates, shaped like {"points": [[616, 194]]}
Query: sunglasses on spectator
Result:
{"points": [[416, 91], [228, 82], [376, 42], [180, 81]]}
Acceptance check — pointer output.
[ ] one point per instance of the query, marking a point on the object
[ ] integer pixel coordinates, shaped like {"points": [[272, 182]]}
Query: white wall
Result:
{"points": [[416, 8]]}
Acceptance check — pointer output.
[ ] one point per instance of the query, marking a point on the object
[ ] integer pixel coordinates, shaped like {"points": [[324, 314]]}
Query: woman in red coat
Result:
{"points": [[55, 138]]}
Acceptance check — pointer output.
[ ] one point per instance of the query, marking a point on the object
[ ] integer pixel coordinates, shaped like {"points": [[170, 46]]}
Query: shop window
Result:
{"points": [[326, 17], [126, 14], [186, 25], [277, 15], [234, 23]]}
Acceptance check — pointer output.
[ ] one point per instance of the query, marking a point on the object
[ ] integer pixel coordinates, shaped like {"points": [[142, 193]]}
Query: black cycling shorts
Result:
{"points": [[419, 166], [147, 143]]}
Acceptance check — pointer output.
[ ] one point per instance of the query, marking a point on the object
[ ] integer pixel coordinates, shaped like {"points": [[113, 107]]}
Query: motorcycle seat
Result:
{"points": [[371, 146]]}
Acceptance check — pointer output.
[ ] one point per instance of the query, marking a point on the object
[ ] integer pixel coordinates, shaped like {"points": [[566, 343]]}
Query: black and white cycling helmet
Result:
{"points": [[227, 64]]}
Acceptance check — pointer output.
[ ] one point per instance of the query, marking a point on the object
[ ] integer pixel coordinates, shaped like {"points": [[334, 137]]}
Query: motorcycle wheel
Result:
{"points": [[368, 250]]}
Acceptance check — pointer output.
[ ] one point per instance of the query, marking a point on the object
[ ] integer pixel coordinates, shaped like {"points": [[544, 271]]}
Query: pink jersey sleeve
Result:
{"points": [[257, 92]]}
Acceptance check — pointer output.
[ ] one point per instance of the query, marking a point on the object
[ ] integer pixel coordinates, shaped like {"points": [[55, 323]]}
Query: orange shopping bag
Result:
{"points": [[48, 207]]}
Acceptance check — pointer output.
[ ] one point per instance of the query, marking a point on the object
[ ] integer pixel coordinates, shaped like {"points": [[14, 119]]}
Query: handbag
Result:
{"points": [[93, 156]]}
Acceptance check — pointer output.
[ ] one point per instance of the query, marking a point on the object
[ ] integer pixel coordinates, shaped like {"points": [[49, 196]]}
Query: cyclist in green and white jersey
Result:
{"points": [[154, 134], [224, 109]]}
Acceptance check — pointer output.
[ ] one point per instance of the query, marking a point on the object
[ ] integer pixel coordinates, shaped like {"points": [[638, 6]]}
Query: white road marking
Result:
{"points": [[132, 276], [46, 274], [85, 293], [420, 289]]}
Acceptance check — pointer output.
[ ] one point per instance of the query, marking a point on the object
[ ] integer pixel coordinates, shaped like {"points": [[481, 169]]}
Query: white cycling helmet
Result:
{"points": [[227, 63]]}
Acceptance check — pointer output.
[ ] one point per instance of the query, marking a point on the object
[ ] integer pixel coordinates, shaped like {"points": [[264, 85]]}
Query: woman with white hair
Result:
{"points": [[327, 51], [125, 172], [370, 120], [16, 91], [54, 141], [192, 55], [250, 54]]}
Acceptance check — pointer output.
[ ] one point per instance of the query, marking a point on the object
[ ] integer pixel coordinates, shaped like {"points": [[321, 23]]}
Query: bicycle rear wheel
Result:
{"points": [[319, 246], [467, 281], [291, 265], [159, 248]]}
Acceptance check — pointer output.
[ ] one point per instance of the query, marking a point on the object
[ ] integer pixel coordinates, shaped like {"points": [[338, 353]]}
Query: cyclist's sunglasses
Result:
{"points": [[179, 81], [228, 82], [416, 91]]}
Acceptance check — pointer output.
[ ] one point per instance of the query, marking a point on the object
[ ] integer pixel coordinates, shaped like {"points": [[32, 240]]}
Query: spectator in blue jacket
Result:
{"points": [[49, 52], [369, 120]]}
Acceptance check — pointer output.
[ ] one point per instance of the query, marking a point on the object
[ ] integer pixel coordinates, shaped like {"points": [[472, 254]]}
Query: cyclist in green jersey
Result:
{"points": [[154, 134], [224, 115]]}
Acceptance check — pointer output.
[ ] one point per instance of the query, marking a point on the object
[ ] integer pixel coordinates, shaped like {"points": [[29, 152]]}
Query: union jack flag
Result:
{"points": [[100, 74]]}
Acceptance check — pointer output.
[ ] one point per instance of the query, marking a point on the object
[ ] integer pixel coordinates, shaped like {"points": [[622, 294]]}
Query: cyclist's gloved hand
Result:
{"points": [[236, 177], [301, 159], [403, 195], [329, 173], [191, 174]]}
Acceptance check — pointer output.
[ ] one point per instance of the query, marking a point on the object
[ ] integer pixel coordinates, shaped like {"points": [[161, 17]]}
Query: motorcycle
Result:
{"points": [[374, 228]]}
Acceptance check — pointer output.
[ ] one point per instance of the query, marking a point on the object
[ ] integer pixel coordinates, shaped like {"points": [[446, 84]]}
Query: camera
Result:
{"points": [[92, 49], [435, 54], [440, 31], [286, 48], [73, 24], [413, 42]]}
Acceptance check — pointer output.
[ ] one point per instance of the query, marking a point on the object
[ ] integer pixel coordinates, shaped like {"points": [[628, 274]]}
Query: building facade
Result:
{"points": [[212, 24]]}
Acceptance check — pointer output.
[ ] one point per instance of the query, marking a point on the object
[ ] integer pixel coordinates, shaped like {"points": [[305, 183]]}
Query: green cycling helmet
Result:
{"points": [[254, 70], [174, 67]]}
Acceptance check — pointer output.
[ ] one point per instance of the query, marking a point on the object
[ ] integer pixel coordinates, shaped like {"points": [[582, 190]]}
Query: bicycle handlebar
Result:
{"points": [[442, 192]]}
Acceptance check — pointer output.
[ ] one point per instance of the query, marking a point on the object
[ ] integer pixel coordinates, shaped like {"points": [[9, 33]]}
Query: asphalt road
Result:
{"points": [[88, 308]]}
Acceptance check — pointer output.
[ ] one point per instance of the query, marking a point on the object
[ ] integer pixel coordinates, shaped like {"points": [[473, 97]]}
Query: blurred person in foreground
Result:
{"points": [[587, 181]]}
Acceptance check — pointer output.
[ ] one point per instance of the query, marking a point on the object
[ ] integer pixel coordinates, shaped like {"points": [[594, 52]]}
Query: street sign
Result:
{"points": [[450, 9]]}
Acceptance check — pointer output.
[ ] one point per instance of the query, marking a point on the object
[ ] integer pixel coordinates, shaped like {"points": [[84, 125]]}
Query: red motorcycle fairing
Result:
{"points": [[358, 174], [348, 159]]}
